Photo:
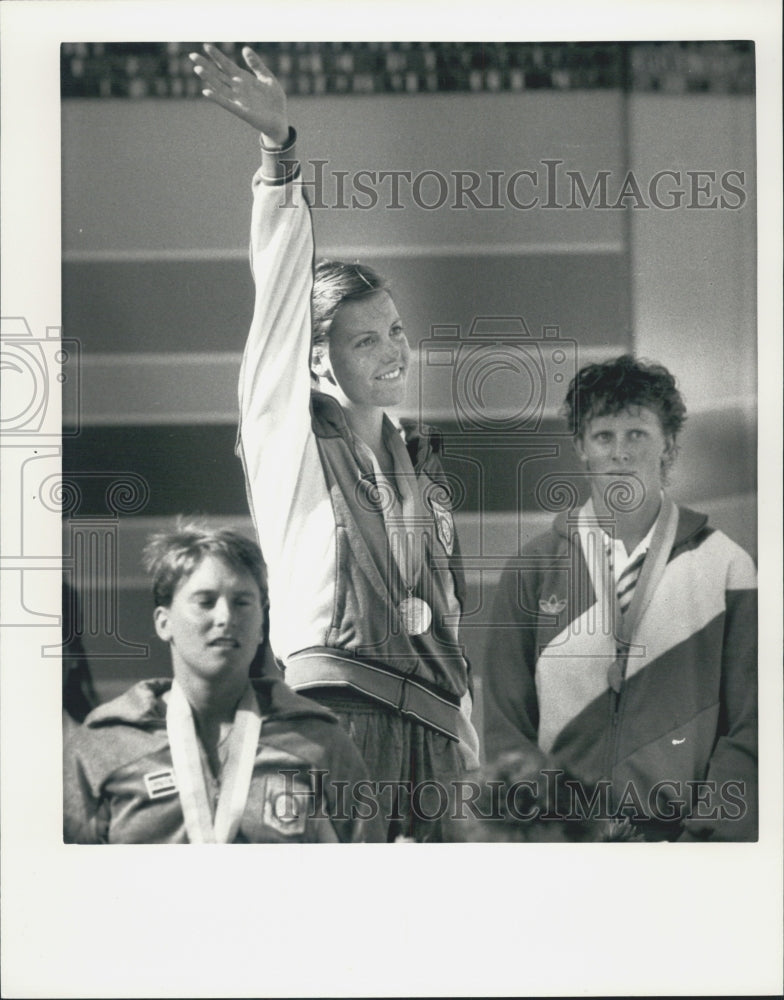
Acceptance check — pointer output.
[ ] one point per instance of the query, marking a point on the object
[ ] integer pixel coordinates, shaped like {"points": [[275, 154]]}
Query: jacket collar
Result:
{"points": [[329, 421], [143, 705], [690, 523]]}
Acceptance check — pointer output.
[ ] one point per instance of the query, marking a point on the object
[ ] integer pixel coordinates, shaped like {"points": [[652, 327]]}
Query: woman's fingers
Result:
{"points": [[224, 100], [221, 60], [256, 96], [256, 65], [208, 68], [218, 66], [205, 68], [223, 79], [215, 85]]}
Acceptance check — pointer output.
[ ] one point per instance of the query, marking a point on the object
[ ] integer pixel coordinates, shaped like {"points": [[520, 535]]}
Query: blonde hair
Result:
{"points": [[336, 282], [169, 556]]}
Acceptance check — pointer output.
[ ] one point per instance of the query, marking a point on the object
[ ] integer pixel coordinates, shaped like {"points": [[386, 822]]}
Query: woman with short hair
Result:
{"points": [[211, 756]]}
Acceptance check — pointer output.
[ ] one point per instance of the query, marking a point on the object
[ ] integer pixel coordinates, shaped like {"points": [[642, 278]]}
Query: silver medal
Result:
{"points": [[415, 615]]}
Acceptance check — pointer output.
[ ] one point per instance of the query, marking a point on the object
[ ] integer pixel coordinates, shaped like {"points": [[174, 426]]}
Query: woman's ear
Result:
{"points": [[319, 362], [577, 444], [160, 618]]}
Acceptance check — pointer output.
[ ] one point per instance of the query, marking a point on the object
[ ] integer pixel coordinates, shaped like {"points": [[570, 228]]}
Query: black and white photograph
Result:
{"points": [[391, 446]]}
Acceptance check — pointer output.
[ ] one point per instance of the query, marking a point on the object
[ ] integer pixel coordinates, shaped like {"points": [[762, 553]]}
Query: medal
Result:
{"points": [[415, 615]]}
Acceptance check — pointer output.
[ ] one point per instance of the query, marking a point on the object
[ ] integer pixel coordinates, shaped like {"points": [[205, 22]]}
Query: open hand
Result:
{"points": [[256, 96]]}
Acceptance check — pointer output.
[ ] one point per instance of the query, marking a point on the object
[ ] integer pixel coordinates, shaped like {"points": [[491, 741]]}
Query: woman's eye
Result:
{"points": [[397, 331], [364, 342]]}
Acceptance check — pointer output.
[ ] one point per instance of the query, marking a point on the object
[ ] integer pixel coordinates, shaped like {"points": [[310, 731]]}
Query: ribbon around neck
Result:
{"points": [[235, 775]]}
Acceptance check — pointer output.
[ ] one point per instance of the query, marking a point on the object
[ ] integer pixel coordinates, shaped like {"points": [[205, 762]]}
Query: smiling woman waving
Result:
{"points": [[352, 512]]}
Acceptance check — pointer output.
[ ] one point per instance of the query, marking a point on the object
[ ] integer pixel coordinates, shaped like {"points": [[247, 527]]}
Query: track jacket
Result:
{"points": [[334, 585], [120, 788], [677, 743]]}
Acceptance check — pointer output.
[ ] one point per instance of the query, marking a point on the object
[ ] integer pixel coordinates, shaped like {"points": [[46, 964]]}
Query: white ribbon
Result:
{"points": [[235, 776], [604, 585]]}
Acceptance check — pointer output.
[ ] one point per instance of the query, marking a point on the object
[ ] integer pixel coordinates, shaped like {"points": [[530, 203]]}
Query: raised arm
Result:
{"points": [[284, 477]]}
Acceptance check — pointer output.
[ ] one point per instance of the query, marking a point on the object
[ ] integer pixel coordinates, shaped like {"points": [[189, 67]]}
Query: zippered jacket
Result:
{"points": [[335, 588], [120, 786], [675, 747]]}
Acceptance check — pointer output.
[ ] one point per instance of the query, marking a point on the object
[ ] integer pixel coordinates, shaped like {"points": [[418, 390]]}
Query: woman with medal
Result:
{"points": [[352, 512], [209, 756]]}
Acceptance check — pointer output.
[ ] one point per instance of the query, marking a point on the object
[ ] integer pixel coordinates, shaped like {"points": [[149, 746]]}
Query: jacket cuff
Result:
{"points": [[279, 165]]}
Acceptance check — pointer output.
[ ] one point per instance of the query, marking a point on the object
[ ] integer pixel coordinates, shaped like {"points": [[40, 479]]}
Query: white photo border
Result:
{"points": [[485, 920]]}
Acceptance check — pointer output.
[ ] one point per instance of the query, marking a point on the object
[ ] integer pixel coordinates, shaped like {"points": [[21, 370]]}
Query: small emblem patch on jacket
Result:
{"points": [[286, 805], [445, 527], [160, 783]]}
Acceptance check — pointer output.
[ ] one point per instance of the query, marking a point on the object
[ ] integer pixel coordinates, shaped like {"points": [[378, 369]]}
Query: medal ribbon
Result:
{"points": [[406, 530], [235, 775], [652, 569], [650, 574], [405, 520]]}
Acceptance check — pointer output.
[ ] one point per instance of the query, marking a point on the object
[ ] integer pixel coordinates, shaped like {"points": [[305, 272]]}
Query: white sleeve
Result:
{"points": [[286, 486]]}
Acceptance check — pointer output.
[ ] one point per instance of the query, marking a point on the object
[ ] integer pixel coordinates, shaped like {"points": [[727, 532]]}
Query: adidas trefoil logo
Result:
{"points": [[552, 606]]}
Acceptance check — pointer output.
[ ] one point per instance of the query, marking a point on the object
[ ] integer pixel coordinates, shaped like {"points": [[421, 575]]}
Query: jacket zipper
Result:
{"points": [[612, 739]]}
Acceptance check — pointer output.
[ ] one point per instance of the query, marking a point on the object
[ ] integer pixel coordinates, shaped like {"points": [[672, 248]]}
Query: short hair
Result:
{"points": [[336, 282], [605, 389], [170, 556]]}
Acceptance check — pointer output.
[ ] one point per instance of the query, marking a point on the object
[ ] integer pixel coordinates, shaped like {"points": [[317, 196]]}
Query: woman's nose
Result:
{"points": [[222, 611], [392, 348]]}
